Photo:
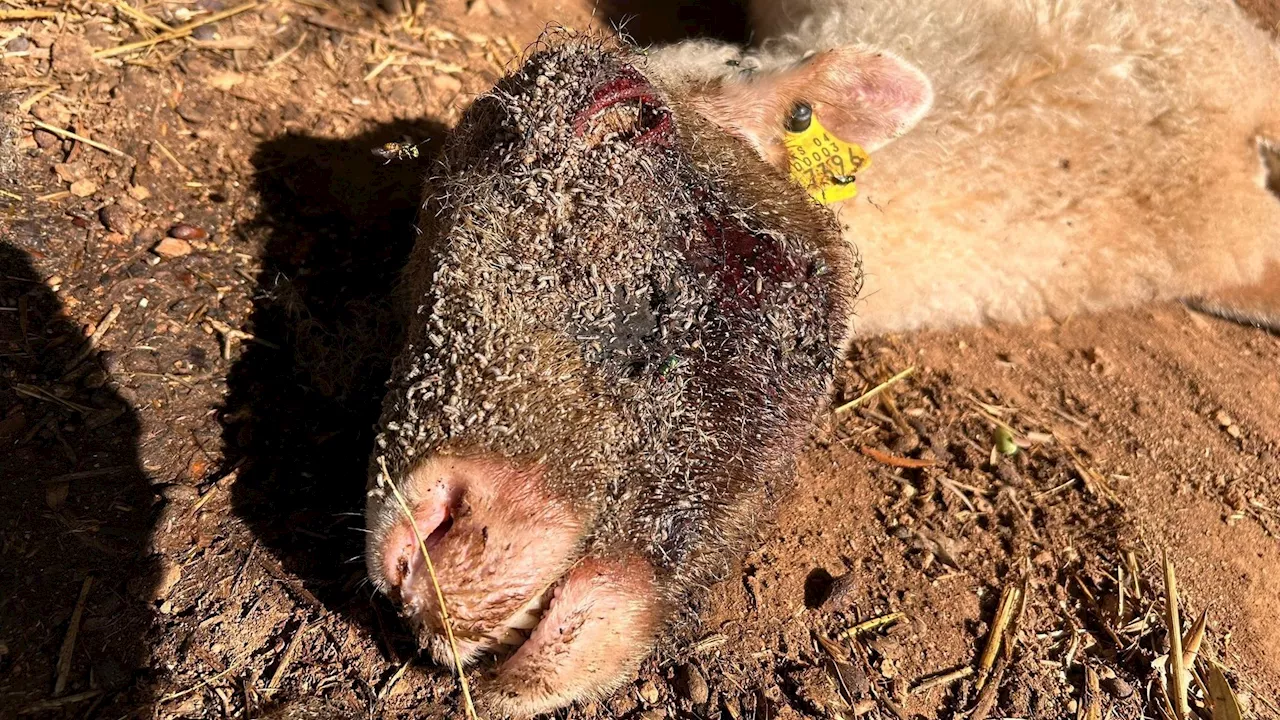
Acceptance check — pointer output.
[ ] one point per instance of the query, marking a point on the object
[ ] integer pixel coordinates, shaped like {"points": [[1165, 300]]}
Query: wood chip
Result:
{"points": [[69, 642], [885, 458]]}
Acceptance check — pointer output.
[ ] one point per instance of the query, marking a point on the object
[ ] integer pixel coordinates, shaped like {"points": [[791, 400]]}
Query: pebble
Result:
{"points": [[404, 94], [72, 54], [44, 139], [446, 84], [116, 219], [1120, 689], [18, 44], [53, 112], [185, 231], [191, 112], [168, 575], [648, 692], [83, 188], [68, 172], [691, 684], [205, 32], [170, 248], [139, 192]]}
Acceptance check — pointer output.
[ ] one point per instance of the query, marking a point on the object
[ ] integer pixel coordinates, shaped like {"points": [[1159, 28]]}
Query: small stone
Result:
{"points": [[116, 219], [205, 32], [139, 192], [191, 112], [72, 54], [84, 188], [170, 248], [403, 94], [1234, 431], [1224, 419], [168, 575], [648, 693], [53, 112], [44, 139], [446, 84], [18, 44], [185, 231], [68, 173], [691, 684], [1118, 688]]}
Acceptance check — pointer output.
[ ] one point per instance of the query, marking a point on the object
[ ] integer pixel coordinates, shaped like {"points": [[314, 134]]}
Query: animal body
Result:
{"points": [[624, 315]]}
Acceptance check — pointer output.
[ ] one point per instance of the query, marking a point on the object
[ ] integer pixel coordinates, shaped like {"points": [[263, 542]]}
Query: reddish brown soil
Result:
{"points": [[214, 498]]}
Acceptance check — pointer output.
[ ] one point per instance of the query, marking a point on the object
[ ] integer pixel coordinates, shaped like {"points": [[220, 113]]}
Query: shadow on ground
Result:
{"points": [[335, 226], [75, 500]]}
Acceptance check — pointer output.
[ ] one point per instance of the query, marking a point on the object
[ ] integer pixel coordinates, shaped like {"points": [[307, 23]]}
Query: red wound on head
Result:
{"points": [[653, 118], [744, 262]]}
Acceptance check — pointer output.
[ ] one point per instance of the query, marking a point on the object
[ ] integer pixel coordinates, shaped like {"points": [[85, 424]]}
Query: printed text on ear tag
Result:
{"points": [[824, 164]]}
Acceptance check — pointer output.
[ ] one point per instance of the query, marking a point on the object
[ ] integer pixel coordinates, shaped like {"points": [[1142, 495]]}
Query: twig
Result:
{"points": [[69, 642], [55, 703], [87, 474], [1177, 679], [98, 333], [1010, 597], [37, 393], [285, 55], [27, 14], [165, 151], [174, 34], [1091, 707], [946, 678], [274, 569], [209, 680], [140, 15], [386, 689], [80, 138], [431, 570], [287, 656], [26, 105], [987, 695], [894, 460], [873, 624], [874, 391], [377, 70]]}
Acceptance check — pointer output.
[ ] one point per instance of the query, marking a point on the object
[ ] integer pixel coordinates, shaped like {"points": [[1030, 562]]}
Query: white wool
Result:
{"points": [[1079, 154]]}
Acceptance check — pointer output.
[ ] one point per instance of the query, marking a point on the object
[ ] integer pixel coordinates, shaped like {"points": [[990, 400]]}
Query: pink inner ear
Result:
{"points": [[868, 98], [863, 97]]}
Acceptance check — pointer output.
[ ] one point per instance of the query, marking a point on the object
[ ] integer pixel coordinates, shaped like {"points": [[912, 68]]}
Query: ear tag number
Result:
{"points": [[820, 162]]}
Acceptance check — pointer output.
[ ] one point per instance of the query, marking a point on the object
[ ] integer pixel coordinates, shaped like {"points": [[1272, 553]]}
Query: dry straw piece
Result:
{"points": [[1177, 681], [431, 571]]}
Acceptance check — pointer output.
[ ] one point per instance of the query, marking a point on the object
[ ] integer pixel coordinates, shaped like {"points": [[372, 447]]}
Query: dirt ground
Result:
{"points": [[194, 333]]}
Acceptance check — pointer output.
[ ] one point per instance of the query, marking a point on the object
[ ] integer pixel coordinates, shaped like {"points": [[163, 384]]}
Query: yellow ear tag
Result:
{"points": [[824, 164]]}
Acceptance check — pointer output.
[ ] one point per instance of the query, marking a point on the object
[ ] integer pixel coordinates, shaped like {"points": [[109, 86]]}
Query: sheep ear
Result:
{"points": [[862, 96]]}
